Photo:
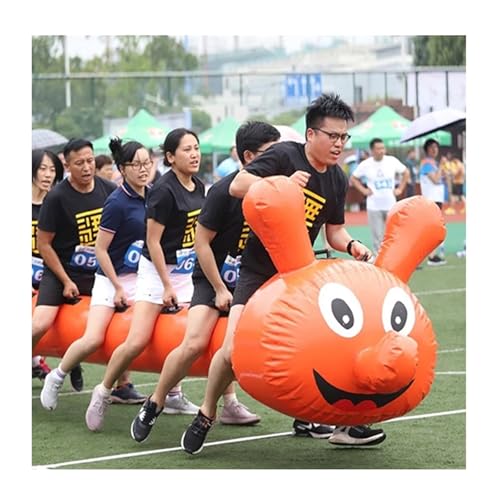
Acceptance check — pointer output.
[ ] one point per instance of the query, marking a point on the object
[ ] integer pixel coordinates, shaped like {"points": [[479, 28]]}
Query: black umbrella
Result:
{"points": [[42, 138]]}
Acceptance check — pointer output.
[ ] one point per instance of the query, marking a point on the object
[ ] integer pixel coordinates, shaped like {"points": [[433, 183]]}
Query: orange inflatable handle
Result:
{"points": [[168, 334]]}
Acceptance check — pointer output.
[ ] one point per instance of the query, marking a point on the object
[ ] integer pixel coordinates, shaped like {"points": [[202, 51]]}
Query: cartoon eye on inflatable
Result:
{"points": [[398, 312], [341, 309]]}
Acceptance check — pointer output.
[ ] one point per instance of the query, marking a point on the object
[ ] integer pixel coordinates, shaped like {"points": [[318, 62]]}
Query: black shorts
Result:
{"points": [[439, 204], [50, 292], [248, 283], [204, 294], [457, 189]]}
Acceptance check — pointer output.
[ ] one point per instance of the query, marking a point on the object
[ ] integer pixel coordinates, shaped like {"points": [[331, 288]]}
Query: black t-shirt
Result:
{"points": [[324, 197], [222, 213], [172, 205], [74, 217], [35, 212]]}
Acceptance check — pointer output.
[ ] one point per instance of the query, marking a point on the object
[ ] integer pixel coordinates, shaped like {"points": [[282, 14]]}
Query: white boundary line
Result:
{"points": [[226, 441], [435, 292]]}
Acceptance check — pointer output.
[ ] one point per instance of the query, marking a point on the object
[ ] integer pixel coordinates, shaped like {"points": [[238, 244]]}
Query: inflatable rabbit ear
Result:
{"points": [[414, 228], [274, 209]]}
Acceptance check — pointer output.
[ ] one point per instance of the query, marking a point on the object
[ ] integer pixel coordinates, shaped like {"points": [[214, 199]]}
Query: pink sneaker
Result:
{"points": [[236, 413], [94, 417]]}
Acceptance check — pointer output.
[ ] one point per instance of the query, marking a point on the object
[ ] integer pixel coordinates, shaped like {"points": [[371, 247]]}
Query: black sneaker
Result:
{"points": [[436, 260], [193, 438], [143, 423], [308, 429], [76, 377], [127, 395], [358, 435]]}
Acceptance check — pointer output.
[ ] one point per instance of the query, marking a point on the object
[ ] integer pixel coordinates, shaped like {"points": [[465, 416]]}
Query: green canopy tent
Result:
{"points": [[142, 127], [300, 125], [219, 138], [389, 126]]}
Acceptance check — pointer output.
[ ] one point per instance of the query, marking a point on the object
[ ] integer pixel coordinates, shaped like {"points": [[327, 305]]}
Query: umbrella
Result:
{"points": [[289, 134], [389, 126], [42, 138], [430, 122], [219, 138]]}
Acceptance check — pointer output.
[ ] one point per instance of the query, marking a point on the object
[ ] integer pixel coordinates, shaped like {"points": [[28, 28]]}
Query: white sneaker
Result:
{"points": [[179, 405], [94, 417], [51, 386], [236, 413], [358, 435]]}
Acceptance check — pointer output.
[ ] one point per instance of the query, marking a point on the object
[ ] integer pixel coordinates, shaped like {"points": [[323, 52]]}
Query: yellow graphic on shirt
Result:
{"points": [[245, 231], [88, 226], [34, 229], [313, 205], [192, 218]]}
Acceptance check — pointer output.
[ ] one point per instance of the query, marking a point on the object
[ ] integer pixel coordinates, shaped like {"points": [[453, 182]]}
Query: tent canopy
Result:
{"points": [[389, 126], [219, 138], [142, 127], [385, 124]]}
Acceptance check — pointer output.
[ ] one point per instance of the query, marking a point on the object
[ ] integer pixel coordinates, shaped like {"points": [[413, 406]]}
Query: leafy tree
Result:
{"points": [[439, 50], [201, 120]]}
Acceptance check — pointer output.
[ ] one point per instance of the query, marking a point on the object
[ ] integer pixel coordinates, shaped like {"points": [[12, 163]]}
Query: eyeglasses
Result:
{"points": [[136, 165], [333, 136]]}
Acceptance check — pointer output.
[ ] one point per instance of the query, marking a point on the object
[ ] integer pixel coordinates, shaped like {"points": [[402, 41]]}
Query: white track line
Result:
{"points": [[226, 441], [436, 292], [451, 373]]}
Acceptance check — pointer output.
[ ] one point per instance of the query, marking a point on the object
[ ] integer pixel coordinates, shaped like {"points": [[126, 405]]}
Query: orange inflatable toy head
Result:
{"points": [[336, 341]]}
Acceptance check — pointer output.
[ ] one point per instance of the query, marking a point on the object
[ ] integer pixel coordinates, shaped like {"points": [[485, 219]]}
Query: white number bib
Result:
{"points": [[231, 270], [84, 258], [185, 261]]}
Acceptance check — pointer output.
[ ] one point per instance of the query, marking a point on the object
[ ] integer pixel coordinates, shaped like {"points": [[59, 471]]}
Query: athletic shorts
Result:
{"points": [[150, 288], [103, 293], [50, 292], [457, 189], [248, 283], [204, 294]]}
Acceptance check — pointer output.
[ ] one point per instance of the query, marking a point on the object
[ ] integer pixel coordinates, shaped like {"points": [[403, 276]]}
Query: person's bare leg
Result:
{"points": [[220, 373]]}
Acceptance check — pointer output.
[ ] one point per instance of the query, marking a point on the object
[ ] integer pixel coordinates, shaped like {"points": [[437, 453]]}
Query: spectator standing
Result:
{"points": [[228, 166]]}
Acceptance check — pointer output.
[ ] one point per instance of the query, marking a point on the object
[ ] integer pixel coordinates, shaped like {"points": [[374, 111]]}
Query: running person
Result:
{"points": [[118, 248], [313, 166], [165, 266], [46, 170], [67, 230], [220, 237]]}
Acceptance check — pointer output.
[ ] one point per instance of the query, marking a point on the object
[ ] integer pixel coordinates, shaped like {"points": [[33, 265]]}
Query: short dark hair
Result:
{"points": [[36, 160], [374, 141], [252, 135], [75, 145], [327, 106], [101, 160], [428, 143], [173, 140]]}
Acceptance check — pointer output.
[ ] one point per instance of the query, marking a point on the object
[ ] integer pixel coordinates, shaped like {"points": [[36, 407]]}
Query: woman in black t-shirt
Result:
{"points": [[166, 263]]}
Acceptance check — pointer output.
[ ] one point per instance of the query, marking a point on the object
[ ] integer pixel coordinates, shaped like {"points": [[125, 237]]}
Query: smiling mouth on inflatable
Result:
{"points": [[347, 401]]}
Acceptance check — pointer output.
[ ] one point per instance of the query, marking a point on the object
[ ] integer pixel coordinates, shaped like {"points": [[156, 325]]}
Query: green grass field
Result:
{"points": [[432, 436]]}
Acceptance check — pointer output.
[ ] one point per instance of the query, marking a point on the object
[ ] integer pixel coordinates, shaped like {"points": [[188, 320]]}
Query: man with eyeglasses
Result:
{"points": [[381, 192], [313, 166]]}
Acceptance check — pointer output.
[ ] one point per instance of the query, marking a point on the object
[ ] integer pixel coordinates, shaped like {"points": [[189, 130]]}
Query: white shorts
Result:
{"points": [[150, 287], [104, 292]]}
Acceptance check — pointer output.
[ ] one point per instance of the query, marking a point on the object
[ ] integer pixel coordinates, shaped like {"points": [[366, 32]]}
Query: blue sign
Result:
{"points": [[303, 85]]}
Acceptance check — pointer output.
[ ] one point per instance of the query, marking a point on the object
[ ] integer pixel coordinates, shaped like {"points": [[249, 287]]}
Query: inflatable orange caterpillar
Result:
{"points": [[336, 341], [331, 341]]}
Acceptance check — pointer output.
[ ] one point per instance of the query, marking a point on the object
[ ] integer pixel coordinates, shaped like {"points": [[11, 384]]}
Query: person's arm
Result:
{"points": [[338, 238], [104, 239], [154, 232], [356, 183], [51, 260], [402, 184], [206, 258], [241, 183]]}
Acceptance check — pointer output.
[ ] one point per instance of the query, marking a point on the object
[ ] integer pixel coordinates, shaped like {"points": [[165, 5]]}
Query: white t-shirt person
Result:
{"points": [[380, 178]]}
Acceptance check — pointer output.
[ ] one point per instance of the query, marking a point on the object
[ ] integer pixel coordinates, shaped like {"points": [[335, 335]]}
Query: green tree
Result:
{"points": [[439, 50], [201, 120]]}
